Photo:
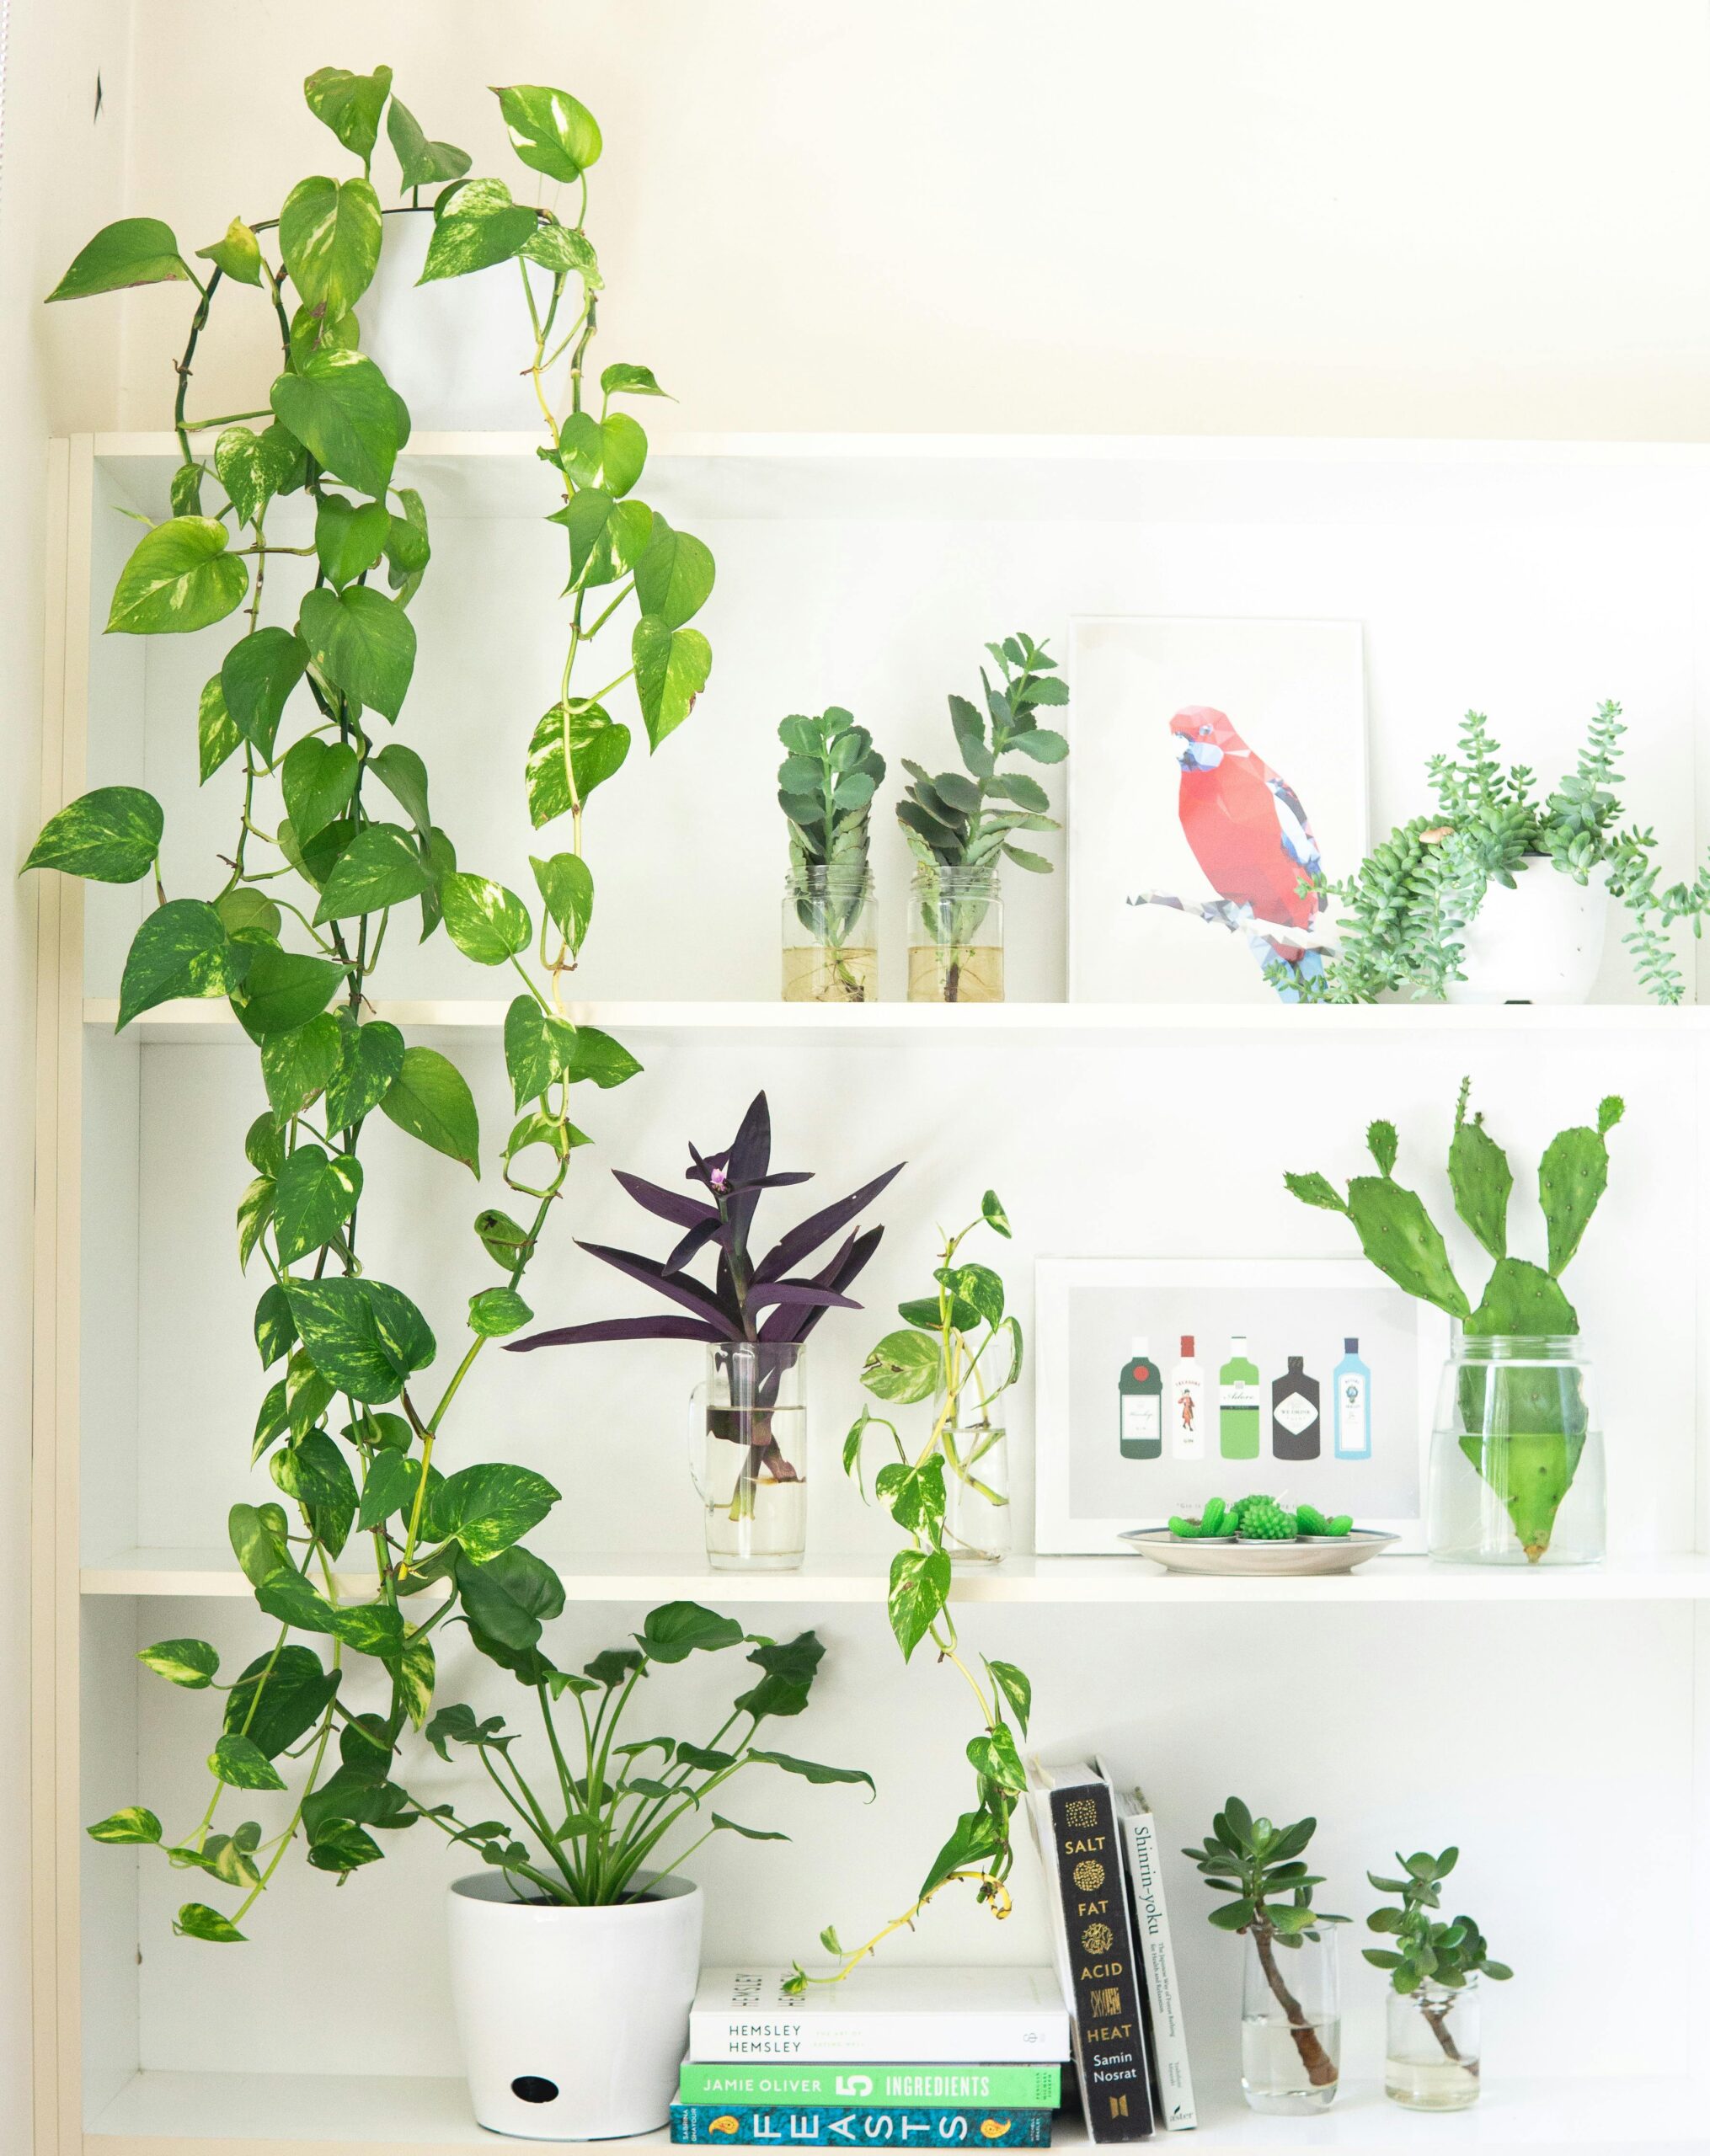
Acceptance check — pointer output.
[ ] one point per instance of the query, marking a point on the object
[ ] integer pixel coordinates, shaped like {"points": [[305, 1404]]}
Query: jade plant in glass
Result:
{"points": [[1291, 2015], [1435, 1968], [334, 852], [938, 1358], [826, 785], [1520, 1416]]}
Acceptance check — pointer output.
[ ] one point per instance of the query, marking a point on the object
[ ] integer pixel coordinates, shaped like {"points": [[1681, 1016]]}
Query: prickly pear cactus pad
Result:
{"points": [[1524, 1427]]}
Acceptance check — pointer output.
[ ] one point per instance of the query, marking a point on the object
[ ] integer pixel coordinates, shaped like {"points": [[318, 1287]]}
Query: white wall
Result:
{"points": [[61, 171], [1473, 217]]}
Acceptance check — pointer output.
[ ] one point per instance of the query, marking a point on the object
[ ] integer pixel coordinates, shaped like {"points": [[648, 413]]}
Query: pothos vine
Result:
{"points": [[347, 1434]]}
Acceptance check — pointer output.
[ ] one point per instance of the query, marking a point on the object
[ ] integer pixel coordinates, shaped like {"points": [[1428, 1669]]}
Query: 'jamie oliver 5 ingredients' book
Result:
{"points": [[1028, 2087]]}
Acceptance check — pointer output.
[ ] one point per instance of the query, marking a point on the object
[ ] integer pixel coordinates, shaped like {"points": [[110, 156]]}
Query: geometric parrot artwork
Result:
{"points": [[1217, 782]]}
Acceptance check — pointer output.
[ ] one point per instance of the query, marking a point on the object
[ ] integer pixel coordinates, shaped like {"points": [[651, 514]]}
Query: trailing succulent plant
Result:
{"points": [[1264, 1866], [1409, 904], [949, 818], [1546, 1418]]}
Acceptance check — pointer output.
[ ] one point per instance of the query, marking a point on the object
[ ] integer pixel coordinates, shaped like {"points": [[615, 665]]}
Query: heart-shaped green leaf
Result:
{"points": [[179, 579]]}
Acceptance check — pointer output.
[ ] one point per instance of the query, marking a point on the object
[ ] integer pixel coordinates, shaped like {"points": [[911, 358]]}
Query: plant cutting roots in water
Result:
{"points": [[1428, 1952], [333, 835], [1255, 1861], [749, 1304], [943, 1351], [1543, 1411]]}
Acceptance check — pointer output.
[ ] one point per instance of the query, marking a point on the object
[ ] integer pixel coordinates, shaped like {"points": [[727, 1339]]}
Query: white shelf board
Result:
{"points": [[348, 2115], [1174, 479], [623, 1576], [211, 1020]]}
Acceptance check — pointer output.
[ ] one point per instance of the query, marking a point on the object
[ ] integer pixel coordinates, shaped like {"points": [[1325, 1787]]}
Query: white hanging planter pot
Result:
{"points": [[1540, 942], [574, 2021], [456, 351]]}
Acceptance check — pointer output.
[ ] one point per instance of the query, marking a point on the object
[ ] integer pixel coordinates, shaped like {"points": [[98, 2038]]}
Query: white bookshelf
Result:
{"points": [[1406, 1702]]}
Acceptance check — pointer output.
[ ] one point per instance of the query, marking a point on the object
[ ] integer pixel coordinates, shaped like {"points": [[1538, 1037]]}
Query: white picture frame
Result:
{"points": [[1071, 1517], [1146, 922]]}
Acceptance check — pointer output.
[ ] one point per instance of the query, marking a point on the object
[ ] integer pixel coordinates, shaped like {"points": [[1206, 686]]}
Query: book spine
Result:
{"points": [[1157, 1960], [1087, 1865], [1038, 2088], [926, 2038], [830, 2126]]}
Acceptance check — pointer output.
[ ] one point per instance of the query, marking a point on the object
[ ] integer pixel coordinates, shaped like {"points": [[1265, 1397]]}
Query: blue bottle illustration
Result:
{"points": [[1352, 1386]]}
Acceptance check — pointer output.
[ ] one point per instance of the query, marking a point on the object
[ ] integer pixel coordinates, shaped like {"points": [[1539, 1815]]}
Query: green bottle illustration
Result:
{"points": [[1139, 1403], [1237, 1403]]}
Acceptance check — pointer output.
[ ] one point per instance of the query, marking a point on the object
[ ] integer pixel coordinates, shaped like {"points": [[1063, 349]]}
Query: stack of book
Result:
{"points": [[964, 2057], [1105, 1887]]}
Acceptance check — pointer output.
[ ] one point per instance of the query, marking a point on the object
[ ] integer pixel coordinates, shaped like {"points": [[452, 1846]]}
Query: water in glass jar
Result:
{"points": [[1273, 2077]]}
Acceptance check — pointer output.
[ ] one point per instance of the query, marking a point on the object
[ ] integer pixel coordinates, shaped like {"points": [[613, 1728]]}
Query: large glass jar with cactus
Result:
{"points": [[1516, 1430]]}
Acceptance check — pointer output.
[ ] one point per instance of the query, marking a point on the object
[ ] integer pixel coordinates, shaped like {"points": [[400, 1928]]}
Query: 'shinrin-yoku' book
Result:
{"points": [[830, 2126], [1074, 1821], [985, 2016], [1027, 2088], [1172, 2083]]}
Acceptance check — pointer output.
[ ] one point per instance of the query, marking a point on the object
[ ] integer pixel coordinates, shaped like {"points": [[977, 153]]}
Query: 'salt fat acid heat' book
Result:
{"points": [[980, 2017], [829, 2126]]}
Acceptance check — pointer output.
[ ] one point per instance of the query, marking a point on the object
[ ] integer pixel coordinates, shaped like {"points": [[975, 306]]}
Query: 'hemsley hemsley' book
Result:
{"points": [[1028, 2087], [1074, 1824], [981, 2017], [830, 2126]]}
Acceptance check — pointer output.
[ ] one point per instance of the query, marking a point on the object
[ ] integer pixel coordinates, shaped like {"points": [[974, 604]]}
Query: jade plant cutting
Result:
{"points": [[1264, 1866], [333, 848], [615, 1807], [942, 1352], [1429, 1950], [1541, 1411]]}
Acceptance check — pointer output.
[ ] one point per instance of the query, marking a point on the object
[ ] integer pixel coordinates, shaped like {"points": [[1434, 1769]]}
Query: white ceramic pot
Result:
{"points": [[453, 349], [1540, 942], [573, 2021]]}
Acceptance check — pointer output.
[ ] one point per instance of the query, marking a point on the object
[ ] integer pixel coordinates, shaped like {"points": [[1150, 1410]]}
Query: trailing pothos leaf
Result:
{"points": [[942, 1354], [292, 932], [618, 549], [620, 1805]]}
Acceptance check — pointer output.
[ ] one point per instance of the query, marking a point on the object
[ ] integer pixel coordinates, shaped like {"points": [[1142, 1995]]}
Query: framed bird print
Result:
{"points": [[1160, 1382], [1217, 782]]}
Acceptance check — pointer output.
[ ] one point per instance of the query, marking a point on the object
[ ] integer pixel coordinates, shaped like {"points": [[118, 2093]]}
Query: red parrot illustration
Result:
{"points": [[1250, 834]]}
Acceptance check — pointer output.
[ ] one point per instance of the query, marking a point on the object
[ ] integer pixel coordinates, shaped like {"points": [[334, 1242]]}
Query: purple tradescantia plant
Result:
{"points": [[769, 1302]]}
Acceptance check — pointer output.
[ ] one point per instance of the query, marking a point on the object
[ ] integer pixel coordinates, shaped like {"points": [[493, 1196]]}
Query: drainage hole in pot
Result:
{"points": [[534, 2088]]}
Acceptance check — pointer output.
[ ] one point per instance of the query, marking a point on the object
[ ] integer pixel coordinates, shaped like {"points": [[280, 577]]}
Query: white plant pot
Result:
{"points": [[1540, 942], [453, 349], [573, 2021]]}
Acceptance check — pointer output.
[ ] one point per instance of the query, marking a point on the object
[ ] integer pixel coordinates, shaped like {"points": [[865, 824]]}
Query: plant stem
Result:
{"points": [[1321, 2068]]}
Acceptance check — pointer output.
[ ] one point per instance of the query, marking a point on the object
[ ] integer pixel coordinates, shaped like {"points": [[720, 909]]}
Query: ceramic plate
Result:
{"points": [[1339, 1553]]}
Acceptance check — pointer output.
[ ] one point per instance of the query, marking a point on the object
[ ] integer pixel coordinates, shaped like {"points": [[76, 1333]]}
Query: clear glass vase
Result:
{"points": [[1291, 2022], [1516, 1473], [830, 941], [748, 1432], [955, 935], [976, 1481], [1431, 2058]]}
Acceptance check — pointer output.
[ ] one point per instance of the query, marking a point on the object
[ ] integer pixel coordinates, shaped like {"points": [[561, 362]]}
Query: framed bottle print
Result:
{"points": [[1162, 1382]]}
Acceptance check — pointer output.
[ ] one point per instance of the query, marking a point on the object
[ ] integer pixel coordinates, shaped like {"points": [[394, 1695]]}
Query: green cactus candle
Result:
{"points": [[1541, 1411]]}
